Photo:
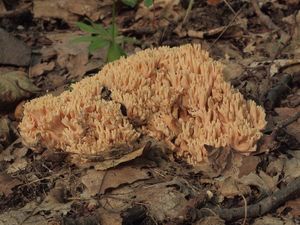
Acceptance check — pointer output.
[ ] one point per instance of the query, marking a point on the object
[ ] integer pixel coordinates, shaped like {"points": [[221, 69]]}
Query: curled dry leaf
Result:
{"points": [[285, 112], [4, 130], [39, 69], [230, 188], [15, 86], [263, 181], [99, 181], [7, 184]]}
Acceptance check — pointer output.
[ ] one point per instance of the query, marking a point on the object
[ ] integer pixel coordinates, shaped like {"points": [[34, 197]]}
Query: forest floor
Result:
{"points": [[259, 44]]}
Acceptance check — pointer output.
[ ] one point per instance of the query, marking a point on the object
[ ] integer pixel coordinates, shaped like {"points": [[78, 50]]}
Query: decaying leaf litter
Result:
{"points": [[259, 47]]}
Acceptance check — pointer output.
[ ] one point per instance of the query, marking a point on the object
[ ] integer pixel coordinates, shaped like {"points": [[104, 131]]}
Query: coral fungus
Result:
{"points": [[177, 95]]}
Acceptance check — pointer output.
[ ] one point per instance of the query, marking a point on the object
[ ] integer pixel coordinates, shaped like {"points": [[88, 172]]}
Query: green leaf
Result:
{"points": [[86, 28], [99, 43], [114, 52], [131, 3], [101, 30], [85, 38], [148, 3]]}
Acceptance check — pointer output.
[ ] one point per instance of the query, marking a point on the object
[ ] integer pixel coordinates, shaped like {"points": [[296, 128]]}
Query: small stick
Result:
{"points": [[229, 25], [189, 9], [263, 18]]}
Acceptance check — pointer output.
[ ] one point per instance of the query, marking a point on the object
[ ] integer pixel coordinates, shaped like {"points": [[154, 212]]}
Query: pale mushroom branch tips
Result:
{"points": [[178, 93]]}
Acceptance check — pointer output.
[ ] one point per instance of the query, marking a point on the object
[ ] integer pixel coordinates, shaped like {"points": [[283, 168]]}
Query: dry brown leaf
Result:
{"points": [[109, 163], [92, 181], [4, 130], [291, 168], [7, 184], [231, 188], [278, 64], [264, 182], [15, 86], [165, 11], [163, 202], [275, 167], [108, 218], [73, 57], [18, 164], [210, 220], [71, 10], [270, 220], [39, 69], [16, 217], [124, 175], [249, 164], [284, 113], [294, 205]]}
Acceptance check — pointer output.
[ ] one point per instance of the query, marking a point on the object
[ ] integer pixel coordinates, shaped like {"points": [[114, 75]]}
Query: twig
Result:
{"points": [[229, 25], [245, 209], [229, 6], [264, 206], [269, 141], [263, 18], [189, 9], [285, 123], [18, 11]]}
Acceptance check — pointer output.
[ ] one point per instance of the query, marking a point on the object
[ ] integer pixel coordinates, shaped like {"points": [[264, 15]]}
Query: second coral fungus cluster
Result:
{"points": [[176, 95]]}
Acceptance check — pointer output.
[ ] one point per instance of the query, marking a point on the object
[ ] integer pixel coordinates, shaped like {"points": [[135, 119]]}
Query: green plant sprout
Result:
{"points": [[100, 37], [133, 3]]}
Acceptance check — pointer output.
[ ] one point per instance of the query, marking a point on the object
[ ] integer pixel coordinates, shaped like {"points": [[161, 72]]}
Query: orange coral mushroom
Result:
{"points": [[179, 94]]}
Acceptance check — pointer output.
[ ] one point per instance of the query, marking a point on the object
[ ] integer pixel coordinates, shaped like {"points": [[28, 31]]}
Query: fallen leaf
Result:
{"points": [[162, 202], [278, 64], [264, 182], [294, 205], [270, 220], [39, 69], [108, 218], [4, 130], [231, 188], [15, 86], [92, 181], [210, 220], [291, 168], [275, 167], [249, 164], [18, 164], [109, 163], [16, 217], [284, 113], [124, 175], [13, 51], [7, 184], [73, 57], [51, 205]]}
